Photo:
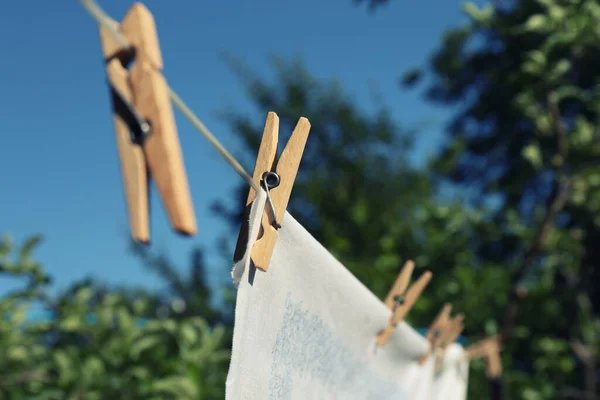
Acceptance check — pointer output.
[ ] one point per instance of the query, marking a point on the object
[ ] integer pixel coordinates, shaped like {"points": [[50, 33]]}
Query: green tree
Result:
{"points": [[187, 294], [524, 78], [101, 343]]}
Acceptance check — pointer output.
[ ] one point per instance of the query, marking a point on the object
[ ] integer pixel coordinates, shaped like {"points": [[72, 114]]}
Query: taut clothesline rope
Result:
{"points": [[103, 19]]}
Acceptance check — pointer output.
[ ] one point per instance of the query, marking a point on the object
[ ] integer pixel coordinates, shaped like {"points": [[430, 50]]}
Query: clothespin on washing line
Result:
{"points": [[276, 176], [452, 331], [437, 328], [401, 299], [145, 126], [489, 349]]}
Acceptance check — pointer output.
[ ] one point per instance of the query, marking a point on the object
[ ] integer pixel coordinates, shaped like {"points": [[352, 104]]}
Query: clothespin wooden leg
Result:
{"points": [[265, 161], [436, 330], [494, 365], [453, 330], [489, 349], [401, 300], [131, 155]]}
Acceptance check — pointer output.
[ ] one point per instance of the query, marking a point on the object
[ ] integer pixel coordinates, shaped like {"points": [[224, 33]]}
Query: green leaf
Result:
{"points": [[561, 68], [19, 315], [583, 134], [537, 56], [567, 365], [64, 366], [5, 245], [411, 77], [360, 212], [568, 91], [93, 368], [71, 323], [83, 295], [144, 343], [530, 394], [126, 321], [532, 154], [479, 16], [179, 386], [556, 12], [537, 23], [188, 333], [17, 353], [140, 372], [29, 246]]}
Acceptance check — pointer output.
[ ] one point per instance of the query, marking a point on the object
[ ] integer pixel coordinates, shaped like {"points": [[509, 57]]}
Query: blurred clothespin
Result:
{"points": [[401, 299], [489, 349], [452, 331], [145, 125], [436, 329], [276, 177]]}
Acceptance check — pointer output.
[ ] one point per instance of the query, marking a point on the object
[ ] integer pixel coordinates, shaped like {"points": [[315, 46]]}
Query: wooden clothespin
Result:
{"points": [[145, 125], [400, 299], [277, 176], [489, 349], [436, 329], [454, 328]]}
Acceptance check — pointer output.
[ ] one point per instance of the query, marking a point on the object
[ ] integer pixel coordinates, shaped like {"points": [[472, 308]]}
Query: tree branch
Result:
{"points": [[554, 205], [557, 203], [587, 355]]}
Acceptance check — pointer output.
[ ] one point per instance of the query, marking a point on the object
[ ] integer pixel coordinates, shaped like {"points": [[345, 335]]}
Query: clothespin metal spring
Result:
{"points": [[139, 127], [270, 180]]}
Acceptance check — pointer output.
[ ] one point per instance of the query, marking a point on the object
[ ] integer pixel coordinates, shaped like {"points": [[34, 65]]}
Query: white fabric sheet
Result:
{"points": [[420, 379], [451, 382], [306, 328]]}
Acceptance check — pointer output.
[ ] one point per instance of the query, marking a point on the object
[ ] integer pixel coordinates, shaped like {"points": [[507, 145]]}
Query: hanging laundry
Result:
{"points": [[451, 381], [307, 328], [420, 379]]}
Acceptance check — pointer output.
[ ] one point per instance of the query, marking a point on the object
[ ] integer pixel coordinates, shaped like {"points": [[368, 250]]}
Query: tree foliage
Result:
{"points": [[524, 78], [99, 345]]}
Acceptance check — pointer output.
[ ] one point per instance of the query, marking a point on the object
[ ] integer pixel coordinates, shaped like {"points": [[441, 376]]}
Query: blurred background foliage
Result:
{"points": [[506, 216]]}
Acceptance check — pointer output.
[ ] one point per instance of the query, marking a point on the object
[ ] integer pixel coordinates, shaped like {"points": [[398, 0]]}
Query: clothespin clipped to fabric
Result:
{"points": [[489, 349], [145, 126], [454, 328], [276, 177], [401, 299], [436, 329]]}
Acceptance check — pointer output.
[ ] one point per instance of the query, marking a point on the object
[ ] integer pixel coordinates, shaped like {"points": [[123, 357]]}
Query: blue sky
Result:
{"points": [[60, 173]]}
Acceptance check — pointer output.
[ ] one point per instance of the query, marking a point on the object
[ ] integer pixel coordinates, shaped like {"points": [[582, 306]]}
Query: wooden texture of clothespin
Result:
{"points": [[286, 168], [436, 329], [401, 299], [452, 331], [489, 349], [143, 90]]}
